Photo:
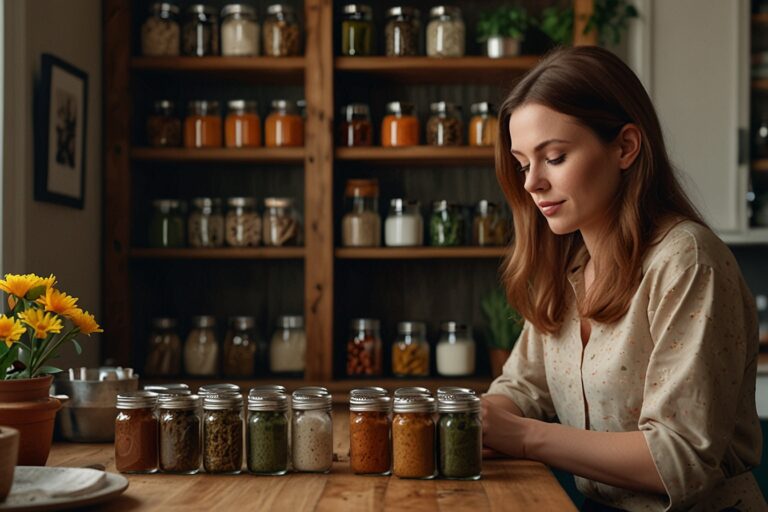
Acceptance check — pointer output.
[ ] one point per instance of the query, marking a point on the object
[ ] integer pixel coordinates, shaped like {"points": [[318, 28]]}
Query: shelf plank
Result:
{"points": [[228, 253], [760, 165], [220, 155], [760, 18], [419, 253], [419, 155], [270, 70], [760, 85]]}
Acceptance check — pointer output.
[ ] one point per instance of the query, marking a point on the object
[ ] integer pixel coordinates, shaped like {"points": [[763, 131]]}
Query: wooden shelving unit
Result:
{"points": [[420, 253], [228, 253], [220, 155], [419, 155]]}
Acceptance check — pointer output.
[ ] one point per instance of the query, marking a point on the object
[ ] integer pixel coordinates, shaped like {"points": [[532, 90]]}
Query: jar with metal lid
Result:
{"points": [[460, 434], [364, 348], [218, 389], [455, 350], [361, 224], [404, 226], [202, 126], [242, 127], [223, 433], [163, 349], [402, 32], [284, 127], [369, 433], [242, 224], [412, 390], [355, 128], [160, 31], [446, 226], [241, 348], [167, 225], [200, 33], [357, 30], [163, 125], [413, 437], [267, 432], [400, 127], [454, 390], [240, 33], [180, 446], [136, 432], [170, 389], [370, 390], [444, 127], [312, 430], [205, 224], [488, 226], [484, 126], [410, 351], [445, 32], [201, 349], [288, 346], [281, 222], [282, 37]]}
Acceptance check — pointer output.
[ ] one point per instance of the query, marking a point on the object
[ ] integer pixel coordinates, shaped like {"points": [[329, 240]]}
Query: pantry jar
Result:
{"points": [[413, 437], [163, 125], [446, 225], [241, 347], [364, 348], [218, 389], [180, 434], [136, 432], [402, 32], [404, 226], [284, 126], [444, 127], [357, 30], [242, 224], [205, 224], [369, 433], [267, 432], [355, 128], [200, 33], [201, 349], [167, 225], [400, 127], [312, 430], [281, 32], [202, 126], [488, 226], [483, 127], [281, 222], [455, 351], [223, 433], [242, 127], [169, 389], [412, 390], [460, 434], [453, 390], [240, 34], [288, 346], [361, 224], [163, 349], [410, 352], [160, 31], [445, 32]]}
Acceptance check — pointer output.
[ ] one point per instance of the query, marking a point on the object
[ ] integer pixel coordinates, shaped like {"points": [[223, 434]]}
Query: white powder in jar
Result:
{"points": [[456, 358], [403, 231], [286, 352], [312, 441], [239, 37]]}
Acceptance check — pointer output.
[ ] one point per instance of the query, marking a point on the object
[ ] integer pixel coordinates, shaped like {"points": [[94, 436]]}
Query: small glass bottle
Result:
{"points": [[355, 128], [200, 33], [240, 34], [241, 348], [242, 127], [460, 434], [288, 346], [282, 37], [205, 224], [402, 32], [242, 224], [163, 349], [284, 127], [201, 349], [223, 433], [281, 222], [267, 432], [312, 430], [410, 352], [369, 433], [202, 126], [163, 125], [361, 224], [357, 30], [455, 351], [413, 437], [446, 225], [364, 348], [445, 32], [444, 127], [136, 432], [488, 226], [404, 226], [483, 127], [160, 31], [167, 225], [180, 431], [400, 127]]}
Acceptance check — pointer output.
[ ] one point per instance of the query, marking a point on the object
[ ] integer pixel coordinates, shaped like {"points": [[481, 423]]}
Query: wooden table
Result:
{"points": [[509, 485]]}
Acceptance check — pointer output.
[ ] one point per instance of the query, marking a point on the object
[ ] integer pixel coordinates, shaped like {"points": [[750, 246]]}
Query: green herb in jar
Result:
{"points": [[267, 442], [446, 225], [460, 445], [223, 441]]}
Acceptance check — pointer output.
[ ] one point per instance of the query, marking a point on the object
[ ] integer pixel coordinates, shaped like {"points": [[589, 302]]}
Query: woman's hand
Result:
{"points": [[504, 431]]}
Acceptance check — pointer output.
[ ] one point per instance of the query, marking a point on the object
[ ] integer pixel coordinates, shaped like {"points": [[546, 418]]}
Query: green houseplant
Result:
{"points": [[610, 19], [502, 30], [504, 326]]}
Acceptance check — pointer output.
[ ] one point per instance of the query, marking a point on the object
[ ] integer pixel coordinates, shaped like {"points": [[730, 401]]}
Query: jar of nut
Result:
{"points": [[410, 352], [281, 32], [402, 32], [160, 31], [444, 127], [242, 225], [445, 32], [364, 348], [281, 222], [205, 224]]}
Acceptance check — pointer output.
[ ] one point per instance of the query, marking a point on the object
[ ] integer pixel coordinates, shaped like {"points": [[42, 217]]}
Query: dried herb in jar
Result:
{"points": [[460, 433], [180, 446], [446, 226], [223, 434], [267, 442]]}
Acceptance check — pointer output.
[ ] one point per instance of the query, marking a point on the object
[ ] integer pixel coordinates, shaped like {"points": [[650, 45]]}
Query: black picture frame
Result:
{"points": [[61, 115]]}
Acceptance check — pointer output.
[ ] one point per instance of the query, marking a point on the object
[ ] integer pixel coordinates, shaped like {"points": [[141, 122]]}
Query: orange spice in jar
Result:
{"points": [[202, 126], [369, 431], [413, 437], [483, 126], [242, 127], [284, 126], [400, 127]]}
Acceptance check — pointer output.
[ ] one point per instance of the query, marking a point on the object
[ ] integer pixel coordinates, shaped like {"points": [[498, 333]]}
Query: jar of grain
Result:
{"points": [[201, 349], [483, 127], [312, 430], [202, 126], [281, 32], [357, 30], [413, 437], [400, 127], [364, 348], [460, 431], [239, 30], [163, 125], [242, 224], [205, 224], [136, 433], [444, 127], [455, 351], [282, 225], [288, 346], [180, 434], [369, 433], [402, 32], [223, 433], [267, 432], [410, 352], [361, 225], [160, 32], [242, 127], [445, 32], [200, 33]]}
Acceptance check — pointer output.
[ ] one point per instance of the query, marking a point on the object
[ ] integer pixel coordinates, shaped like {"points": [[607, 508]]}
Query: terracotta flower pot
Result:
{"points": [[9, 449], [498, 357], [25, 405]]}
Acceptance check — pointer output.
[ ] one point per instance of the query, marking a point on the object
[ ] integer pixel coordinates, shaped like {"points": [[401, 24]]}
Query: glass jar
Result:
{"points": [[163, 349], [167, 225], [453, 390], [240, 34], [312, 430], [412, 390], [241, 347], [357, 30], [361, 225], [200, 34], [223, 433], [180, 447], [267, 436], [444, 127], [410, 352], [242, 225], [413, 437], [460, 434], [284, 126], [281, 222], [455, 351], [400, 127], [445, 32], [484, 126], [446, 226], [205, 224], [201, 349], [369, 433], [355, 128], [218, 389], [163, 125], [160, 31], [364, 348], [168, 389], [404, 226], [288, 346], [402, 32], [242, 127], [136, 431], [488, 226], [202, 126], [281, 32]]}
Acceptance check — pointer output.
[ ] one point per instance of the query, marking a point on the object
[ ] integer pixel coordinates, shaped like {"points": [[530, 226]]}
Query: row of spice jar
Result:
{"points": [[400, 125], [283, 127], [243, 353], [166, 32], [207, 225]]}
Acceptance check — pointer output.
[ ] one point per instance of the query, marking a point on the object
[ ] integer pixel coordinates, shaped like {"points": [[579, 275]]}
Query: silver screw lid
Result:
{"points": [[304, 399], [218, 389], [241, 202], [453, 390], [166, 205], [203, 321], [399, 10], [348, 112], [290, 321], [223, 402], [458, 402], [440, 11], [242, 323], [358, 11], [240, 106], [137, 400], [279, 9], [484, 206], [201, 9], [179, 402], [169, 389], [414, 403], [238, 9], [413, 328], [268, 388], [267, 400], [278, 202], [400, 107], [371, 390], [364, 324], [453, 327], [164, 8], [373, 402], [482, 107], [412, 390], [442, 107]]}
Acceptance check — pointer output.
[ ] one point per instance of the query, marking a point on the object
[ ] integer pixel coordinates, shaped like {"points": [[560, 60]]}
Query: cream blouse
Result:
{"points": [[680, 367]]}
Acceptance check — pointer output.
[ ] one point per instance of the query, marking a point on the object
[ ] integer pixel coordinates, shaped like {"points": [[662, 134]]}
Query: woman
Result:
{"points": [[640, 333]]}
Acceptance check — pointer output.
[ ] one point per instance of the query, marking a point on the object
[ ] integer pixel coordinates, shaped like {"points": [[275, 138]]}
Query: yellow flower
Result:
{"points": [[43, 323], [20, 284], [48, 282], [84, 321], [10, 330], [57, 302]]}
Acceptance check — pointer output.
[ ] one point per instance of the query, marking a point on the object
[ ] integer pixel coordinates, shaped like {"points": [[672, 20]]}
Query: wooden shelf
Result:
{"points": [[266, 70], [760, 18], [760, 165], [760, 85], [419, 253], [228, 253], [419, 155], [221, 155]]}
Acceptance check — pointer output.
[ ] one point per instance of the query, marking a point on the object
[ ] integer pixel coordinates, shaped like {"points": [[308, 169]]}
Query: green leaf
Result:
{"points": [[48, 370], [35, 292], [78, 348]]}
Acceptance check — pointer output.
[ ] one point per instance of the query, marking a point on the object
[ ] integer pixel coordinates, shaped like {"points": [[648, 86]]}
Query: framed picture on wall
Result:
{"points": [[60, 133]]}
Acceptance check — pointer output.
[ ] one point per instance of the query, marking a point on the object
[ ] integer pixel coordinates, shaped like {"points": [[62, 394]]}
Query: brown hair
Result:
{"points": [[596, 88]]}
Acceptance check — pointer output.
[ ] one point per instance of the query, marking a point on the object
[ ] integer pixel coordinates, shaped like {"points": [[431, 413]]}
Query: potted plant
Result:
{"points": [[504, 326], [609, 19], [502, 30], [40, 321]]}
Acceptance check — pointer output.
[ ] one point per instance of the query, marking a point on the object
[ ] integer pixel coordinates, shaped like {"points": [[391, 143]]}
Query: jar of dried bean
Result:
{"points": [[400, 127], [200, 34], [205, 224], [312, 430], [364, 348], [239, 30], [402, 32], [242, 127], [267, 437], [163, 125], [444, 127], [410, 352], [242, 224], [281, 222], [488, 226], [357, 30], [160, 31], [460, 434], [281, 32], [202, 126], [361, 224], [445, 32], [355, 128], [223, 433], [241, 347], [483, 127], [369, 433], [136, 430], [180, 446], [413, 437]]}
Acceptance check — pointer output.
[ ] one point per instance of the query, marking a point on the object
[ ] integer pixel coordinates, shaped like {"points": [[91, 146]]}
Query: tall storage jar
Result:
{"points": [[160, 31], [460, 434], [312, 430], [223, 433], [361, 224], [205, 224], [240, 34], [369, 433], [200, 33], [455, 351], [288, 346], [201, 349], [357, 30], [180, 434], [401, 33], [282, 37], [267, 432], [445, 32], [413, 437]]}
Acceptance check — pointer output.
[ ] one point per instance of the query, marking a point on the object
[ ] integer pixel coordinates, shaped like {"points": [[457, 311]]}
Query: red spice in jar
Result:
{"points": [[369, 446], [136, 436]]}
